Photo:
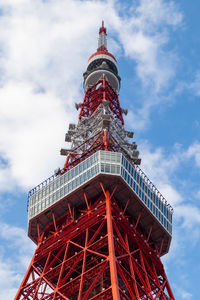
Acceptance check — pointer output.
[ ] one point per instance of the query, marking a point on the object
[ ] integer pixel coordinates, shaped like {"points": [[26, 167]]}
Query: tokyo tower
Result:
{"points": [[100, 224]]}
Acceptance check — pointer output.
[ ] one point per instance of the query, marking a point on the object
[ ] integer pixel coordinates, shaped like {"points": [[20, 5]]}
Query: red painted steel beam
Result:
{"points": [[107, 247], [111, 247]]}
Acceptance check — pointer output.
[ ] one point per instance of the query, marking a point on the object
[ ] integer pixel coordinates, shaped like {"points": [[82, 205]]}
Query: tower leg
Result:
{"points": [[98, 255], [111, 248]]}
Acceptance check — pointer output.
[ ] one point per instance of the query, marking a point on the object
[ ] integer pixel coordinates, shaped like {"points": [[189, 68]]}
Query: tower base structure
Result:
{"points": [[97, 252]]}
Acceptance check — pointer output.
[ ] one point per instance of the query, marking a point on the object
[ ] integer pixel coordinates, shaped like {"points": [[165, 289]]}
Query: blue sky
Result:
{"points": [[44, 47]]}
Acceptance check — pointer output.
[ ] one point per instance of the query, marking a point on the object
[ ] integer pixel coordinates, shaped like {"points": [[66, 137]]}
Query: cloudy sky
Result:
{"points": [[44, 47]]}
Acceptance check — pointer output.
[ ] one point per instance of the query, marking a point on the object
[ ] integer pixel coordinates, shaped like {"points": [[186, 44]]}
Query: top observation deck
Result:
{"points": [[55, 192]]}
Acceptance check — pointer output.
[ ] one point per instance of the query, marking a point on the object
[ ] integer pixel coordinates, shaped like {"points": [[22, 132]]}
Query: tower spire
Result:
{"points": [[102, 43]]}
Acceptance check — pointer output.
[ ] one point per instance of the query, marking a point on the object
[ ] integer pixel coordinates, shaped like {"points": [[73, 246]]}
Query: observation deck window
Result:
{"points": [[106, 162], [156, 212]]}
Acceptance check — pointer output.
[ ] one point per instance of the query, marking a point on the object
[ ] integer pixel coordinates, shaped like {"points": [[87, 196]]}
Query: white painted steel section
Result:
{"points": [[102, 40], [95, 76], [99, 56]]}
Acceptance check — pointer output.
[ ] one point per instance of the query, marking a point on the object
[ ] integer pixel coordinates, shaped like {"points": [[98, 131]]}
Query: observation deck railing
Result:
{"points": [[55, 188]]}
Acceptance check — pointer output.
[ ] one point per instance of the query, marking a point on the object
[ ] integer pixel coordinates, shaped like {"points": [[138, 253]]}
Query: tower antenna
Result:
{"points": [[102, 43]]}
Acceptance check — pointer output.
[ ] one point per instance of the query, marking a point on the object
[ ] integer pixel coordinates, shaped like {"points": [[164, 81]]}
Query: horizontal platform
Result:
{"points": [[110, 168]]}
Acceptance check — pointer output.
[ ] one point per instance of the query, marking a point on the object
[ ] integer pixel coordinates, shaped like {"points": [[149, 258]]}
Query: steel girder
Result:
{"points": [[97, 252], [95, 95], [100, 127]]}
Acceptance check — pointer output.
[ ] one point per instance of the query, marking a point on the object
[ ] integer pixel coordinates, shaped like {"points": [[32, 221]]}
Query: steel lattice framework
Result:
{"points": [[100, 225], [100, 127], [96, 253], [94, 96]]}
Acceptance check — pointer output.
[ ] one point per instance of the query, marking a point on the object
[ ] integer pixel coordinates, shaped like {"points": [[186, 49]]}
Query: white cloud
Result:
{"points": [[183, 293], [8, 281], [154, 12], [138, 120], [32, 130], [170, 191], [161, 168], [194, 152], [158, 164], [16, 238], [186, 295], [51, 40], [144, 36], [190, 215], [12, 269], [44, 49]]}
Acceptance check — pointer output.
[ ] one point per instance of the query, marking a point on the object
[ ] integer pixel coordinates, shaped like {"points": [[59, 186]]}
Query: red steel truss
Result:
{"points": [[102, 141], [95, 95], [96, 252]]}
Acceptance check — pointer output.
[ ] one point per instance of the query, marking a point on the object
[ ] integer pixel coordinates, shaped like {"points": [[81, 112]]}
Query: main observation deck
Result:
{"points": [[53, 193]]}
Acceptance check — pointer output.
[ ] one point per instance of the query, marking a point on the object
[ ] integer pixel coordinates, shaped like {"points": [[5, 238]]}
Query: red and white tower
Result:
{"points": [[100, 224]]}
